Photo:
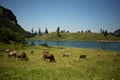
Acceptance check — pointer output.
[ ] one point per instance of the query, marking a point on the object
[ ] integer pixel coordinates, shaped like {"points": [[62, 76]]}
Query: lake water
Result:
{"points": [[79, 44]]}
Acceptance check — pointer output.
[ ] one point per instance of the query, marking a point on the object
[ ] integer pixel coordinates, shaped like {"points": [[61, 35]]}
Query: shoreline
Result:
{"points": [[81, 44], [76, 40]]}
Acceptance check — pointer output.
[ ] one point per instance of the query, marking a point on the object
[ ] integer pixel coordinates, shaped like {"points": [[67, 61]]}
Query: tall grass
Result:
{"points": [[106, 66]]}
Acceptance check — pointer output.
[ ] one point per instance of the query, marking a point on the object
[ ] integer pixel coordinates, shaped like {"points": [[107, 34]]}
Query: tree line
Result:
{"points": [[104, 32], [34, 33]]}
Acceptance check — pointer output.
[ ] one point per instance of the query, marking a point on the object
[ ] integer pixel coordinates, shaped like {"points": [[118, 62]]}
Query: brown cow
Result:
{"points": [[118, 54], [46, 55], [21, 55], [31, 51], [82, 56]]}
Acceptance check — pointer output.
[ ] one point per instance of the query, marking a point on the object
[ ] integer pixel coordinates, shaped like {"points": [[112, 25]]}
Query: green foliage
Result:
{"points": [[7, 35]]}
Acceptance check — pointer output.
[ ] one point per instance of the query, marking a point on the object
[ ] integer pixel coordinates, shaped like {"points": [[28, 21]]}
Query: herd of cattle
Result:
{"points": [[45, 55]]}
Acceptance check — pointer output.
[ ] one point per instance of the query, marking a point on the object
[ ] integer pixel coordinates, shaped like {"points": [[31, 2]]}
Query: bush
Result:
{"points": [[44, 44]]}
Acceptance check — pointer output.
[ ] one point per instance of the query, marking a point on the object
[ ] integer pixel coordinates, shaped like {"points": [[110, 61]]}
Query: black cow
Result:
{"points": [[82, 56]]}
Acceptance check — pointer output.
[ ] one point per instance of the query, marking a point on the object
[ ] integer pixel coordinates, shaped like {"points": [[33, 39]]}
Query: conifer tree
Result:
{"points": [[58, 31], [101, 31], [39, 32], [46, 31], [105, 33], [35, 33], [32, 30]]}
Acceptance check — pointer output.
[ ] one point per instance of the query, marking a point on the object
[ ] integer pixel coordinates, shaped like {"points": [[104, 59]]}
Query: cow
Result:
{"points": [[118, 54], [82, 56], [21, 55], [10, 53], [47, 55], [31, 51], [65, 54]]}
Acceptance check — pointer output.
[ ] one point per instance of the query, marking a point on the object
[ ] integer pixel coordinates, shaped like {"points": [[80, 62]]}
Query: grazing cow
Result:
{"points": [[118, 54], [31, 51], [98, 55], [82, 56], [65, 54], [11, 53], [46, 55], [21, 55]]}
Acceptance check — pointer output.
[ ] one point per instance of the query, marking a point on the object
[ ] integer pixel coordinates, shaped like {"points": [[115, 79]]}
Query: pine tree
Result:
{"points": [[46, 31], [105, 33], [35, 33], [81, 31], [58, 31], [89, 31], [39, 32], [101, 31], [32, 30]]}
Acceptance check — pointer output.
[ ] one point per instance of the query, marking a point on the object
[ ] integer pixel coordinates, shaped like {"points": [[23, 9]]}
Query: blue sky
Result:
{"points": [[71, 15]]}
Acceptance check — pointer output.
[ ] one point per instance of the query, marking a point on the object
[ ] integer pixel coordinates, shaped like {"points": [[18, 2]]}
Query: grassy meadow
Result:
{"points": [[106, 66], [84, 36]]}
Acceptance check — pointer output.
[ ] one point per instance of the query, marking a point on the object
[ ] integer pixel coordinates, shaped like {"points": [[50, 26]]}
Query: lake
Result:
{"points": [[79, 44]]}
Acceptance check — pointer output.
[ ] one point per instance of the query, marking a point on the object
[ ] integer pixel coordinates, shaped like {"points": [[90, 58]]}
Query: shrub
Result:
{"points": [[44, 44]]}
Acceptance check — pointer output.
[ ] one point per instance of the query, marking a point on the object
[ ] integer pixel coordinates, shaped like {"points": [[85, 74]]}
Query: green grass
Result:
{"points": [[94, 67], [85, 36]]}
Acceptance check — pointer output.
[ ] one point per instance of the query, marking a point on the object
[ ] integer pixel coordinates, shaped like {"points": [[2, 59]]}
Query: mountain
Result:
{"points": [[117, 33], [10, 30]]}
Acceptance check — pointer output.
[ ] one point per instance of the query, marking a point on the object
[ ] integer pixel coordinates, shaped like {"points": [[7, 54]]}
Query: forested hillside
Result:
{"points": [[10, 30]]}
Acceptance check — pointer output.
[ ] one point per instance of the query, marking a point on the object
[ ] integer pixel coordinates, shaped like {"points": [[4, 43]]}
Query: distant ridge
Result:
{"points": [[117, 33]]}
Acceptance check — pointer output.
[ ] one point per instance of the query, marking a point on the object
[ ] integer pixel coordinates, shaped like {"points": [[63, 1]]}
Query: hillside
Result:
{"points": [[85, 36], [117, 33], [9, 28]]}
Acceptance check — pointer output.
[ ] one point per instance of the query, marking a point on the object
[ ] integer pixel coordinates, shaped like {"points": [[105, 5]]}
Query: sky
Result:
{"points": [[69, 15]]}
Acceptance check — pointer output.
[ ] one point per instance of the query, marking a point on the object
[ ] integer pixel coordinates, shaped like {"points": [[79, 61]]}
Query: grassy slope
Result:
{"points": [[78, 36], [103, 67]]}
